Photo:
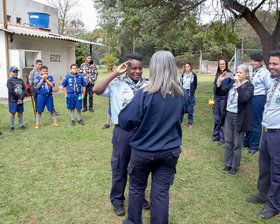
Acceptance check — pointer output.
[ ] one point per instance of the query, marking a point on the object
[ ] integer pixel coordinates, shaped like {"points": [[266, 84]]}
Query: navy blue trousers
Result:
{"points": [[190, 109], [119, 162], [162, 165], [269, 171], [252, 138], [218, 107]]}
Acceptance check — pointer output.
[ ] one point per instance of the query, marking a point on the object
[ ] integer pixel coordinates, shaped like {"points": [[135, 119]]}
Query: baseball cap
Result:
{"points": [[14, 68]]}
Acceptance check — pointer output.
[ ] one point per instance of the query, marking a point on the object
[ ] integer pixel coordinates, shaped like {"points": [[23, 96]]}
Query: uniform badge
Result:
{"points": [[278, 100]]}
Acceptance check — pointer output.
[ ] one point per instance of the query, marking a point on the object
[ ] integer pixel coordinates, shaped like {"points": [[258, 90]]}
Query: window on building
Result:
{"points": [[9, 18], [18, 20]]}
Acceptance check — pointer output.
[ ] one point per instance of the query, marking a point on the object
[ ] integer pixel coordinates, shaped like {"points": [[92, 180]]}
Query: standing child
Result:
{"points": [[44, 84], [16, 92], [73, 94]]}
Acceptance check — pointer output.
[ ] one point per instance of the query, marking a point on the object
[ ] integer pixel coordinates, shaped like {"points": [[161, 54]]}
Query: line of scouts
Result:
{"points": [[74, 87]]}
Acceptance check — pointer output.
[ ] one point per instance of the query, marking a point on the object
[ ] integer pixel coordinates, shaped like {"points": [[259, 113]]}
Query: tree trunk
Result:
{"points": [[269, 41]]}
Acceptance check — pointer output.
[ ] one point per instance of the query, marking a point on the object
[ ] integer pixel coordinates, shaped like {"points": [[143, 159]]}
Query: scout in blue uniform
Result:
{"points": [[121, 91], [269, 158], [72, 88], [260, 78], [44, 84], [16, 93], [188, 81]]}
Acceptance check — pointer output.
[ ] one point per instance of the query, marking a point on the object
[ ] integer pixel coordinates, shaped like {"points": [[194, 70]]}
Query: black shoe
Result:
{"points": [[91, 110], [146, 204], [251, 152], [214, 140], [22, 127], [84, 110], [106, 126], [12, 129], [255, 199], [221, 143], [232, 171], [73, 123], [119, 210], [264, 214], [56, 113], [226, 169], [81, 122]]}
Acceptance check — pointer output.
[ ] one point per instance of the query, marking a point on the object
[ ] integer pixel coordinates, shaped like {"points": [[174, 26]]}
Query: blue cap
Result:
{"points": [[14, 68]]}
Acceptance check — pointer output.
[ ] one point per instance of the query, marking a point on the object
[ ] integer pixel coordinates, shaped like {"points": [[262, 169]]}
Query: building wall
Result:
{"points": [[3, 67], [58, 55], [20, 8]]}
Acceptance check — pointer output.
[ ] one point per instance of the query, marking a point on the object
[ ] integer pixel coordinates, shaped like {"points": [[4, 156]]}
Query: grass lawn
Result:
{"points": [[63, 174]]}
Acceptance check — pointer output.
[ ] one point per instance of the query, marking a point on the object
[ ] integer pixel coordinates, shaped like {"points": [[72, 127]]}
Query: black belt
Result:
{"points": [[271, 130]]}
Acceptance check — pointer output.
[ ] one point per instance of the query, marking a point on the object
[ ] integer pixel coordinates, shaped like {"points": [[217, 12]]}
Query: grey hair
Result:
{"points": [[163, 75], [245, 68]]}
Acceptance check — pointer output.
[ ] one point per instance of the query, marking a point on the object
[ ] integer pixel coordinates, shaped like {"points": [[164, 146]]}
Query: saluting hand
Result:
{"points": [[123, 67]]}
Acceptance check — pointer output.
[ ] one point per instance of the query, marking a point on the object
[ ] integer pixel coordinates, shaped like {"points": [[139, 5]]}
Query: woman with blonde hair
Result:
{"points": [[188, 81], [156, 111]]}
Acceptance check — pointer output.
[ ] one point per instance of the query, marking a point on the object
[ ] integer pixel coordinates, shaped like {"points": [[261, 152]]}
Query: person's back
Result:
{"points": [[160, 127], [156, 112]]}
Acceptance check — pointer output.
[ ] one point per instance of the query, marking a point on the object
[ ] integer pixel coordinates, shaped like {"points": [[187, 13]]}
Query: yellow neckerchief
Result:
{"points": [[46, 85], [75, 82], [254, 73]]}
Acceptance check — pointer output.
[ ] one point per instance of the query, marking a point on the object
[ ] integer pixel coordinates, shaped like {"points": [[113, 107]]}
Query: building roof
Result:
{"points": [[29, 31]]}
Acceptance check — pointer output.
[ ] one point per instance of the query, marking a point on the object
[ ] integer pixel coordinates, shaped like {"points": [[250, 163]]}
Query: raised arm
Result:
{"points": [[100, 87]]}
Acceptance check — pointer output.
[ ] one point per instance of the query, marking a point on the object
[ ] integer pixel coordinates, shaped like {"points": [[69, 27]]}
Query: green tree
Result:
{"points": [[110, 61]]}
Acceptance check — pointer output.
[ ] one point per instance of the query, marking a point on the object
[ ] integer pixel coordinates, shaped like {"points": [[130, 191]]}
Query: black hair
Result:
{"points": [[71, 66], [219, 72], [38, 61], [87, 55], [134, 56], [275, 53], [43, 67]]}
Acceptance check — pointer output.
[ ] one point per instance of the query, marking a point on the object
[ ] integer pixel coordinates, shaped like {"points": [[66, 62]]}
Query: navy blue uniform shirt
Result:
{"points": [[158, 120]]}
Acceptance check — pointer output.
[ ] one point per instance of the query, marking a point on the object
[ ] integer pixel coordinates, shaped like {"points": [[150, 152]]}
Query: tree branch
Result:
{"points": [[258, 6]]}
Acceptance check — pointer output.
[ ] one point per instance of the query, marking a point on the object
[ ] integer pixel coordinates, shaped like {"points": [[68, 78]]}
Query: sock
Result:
{"points": [[54, 117], [108, 119], [19, 121], [72, 115], [12, 121], [79, 116], [38, 116]]}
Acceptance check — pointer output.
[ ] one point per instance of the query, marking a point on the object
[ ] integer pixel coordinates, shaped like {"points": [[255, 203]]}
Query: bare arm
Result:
{"points": [[84, 90], [40, 83], [50, 83], [100, 87], [65, 91]]}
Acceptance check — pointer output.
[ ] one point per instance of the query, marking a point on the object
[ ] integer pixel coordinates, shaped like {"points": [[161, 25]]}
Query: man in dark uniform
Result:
{"points": [[269, 159]]}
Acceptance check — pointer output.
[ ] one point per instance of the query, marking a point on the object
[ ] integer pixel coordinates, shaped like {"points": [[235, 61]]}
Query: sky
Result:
{"points": [[88, 13]]}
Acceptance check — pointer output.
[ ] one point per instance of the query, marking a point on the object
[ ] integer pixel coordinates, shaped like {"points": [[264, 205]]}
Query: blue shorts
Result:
{"points": [[43, 101], [14, 107], [73, 102]]}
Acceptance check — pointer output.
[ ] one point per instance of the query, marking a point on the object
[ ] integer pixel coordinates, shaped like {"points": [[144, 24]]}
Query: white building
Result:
{"points": [[21, 45]]}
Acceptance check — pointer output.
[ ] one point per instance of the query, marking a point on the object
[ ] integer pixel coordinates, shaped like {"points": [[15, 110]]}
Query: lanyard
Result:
{"points": [[276, 82]]}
